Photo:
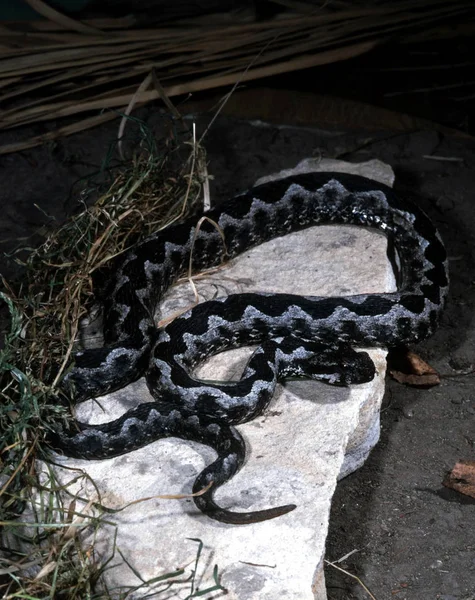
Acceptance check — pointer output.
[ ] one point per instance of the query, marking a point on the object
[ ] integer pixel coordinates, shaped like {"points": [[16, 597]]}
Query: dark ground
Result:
{"points": [[414, 539]]}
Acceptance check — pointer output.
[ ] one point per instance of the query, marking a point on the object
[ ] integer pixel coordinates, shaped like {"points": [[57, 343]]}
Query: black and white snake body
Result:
{"points": [[296, 335]]}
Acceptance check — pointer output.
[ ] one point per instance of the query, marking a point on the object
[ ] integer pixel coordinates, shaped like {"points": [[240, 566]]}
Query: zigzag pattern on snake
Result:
{"points": [[297, 335]]}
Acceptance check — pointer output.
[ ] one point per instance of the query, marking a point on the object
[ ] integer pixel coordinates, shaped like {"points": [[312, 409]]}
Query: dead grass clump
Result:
{"points": [[157, 185]]}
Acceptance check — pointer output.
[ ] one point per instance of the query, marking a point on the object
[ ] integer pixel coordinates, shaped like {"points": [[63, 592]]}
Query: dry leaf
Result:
{"points": [[410, 369], [46, 570], [419, 366], [462, 478], [416, 380]]}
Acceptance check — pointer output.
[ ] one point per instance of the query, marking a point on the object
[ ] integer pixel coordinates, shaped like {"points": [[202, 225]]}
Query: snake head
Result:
{"points": [[342, 366]]}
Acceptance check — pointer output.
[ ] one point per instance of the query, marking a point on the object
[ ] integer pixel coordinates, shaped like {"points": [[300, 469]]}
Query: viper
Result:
{"points": [[296, 336]]}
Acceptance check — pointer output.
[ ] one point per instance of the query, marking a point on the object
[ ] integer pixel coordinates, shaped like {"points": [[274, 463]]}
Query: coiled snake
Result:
{"points": [[297, 335]]}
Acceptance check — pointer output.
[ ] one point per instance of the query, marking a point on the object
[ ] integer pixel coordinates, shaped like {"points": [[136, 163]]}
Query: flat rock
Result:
{"points": [[310, 436]]}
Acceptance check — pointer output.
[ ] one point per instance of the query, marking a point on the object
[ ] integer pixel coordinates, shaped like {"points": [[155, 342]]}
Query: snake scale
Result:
{"points": [[296, 335]]}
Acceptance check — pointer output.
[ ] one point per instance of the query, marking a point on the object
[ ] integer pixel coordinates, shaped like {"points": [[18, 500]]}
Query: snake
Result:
{"points": [[295, 336]]}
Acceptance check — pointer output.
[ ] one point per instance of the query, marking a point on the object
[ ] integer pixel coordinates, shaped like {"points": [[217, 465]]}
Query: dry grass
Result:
{"points": [[158, 184], [71, 70]]}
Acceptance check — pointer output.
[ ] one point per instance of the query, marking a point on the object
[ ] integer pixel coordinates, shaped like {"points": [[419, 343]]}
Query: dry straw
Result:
{"points": [[73, 70]]}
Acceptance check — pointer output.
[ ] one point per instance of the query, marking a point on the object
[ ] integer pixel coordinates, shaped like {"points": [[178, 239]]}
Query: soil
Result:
{"points": [[406, 536]]}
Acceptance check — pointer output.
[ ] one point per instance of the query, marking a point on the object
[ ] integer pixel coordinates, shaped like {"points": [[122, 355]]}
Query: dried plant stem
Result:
{"points": [[99, 64], [331, 564]]}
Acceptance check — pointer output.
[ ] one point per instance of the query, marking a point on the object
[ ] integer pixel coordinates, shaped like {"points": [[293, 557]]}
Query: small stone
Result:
{"points": [[444, 203], [408, 412], [460, 364]]}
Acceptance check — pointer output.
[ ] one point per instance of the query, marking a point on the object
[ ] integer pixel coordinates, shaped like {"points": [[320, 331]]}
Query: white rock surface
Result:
{"points": [[310, 436]]}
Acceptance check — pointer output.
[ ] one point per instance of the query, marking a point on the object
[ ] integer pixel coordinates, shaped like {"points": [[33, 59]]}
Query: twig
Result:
{"points": [[50, 13], [133, 101], [352, 576], [434, 88], [443, 158]]}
